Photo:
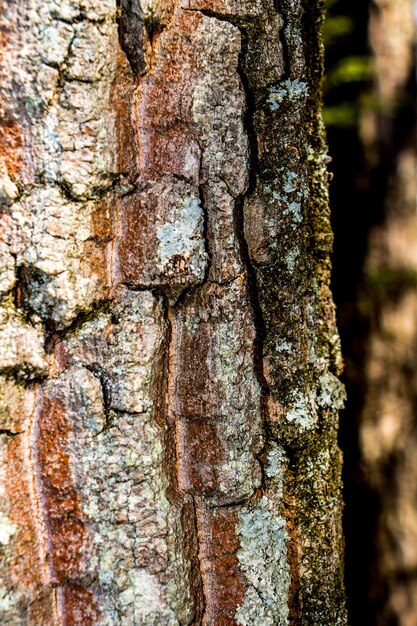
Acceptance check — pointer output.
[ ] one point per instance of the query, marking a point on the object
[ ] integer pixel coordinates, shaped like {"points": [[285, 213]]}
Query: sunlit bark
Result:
{"points": [[168, 348]]}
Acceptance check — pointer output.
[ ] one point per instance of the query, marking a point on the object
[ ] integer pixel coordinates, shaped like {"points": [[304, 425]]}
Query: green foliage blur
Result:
{"points": [[347, 77]]}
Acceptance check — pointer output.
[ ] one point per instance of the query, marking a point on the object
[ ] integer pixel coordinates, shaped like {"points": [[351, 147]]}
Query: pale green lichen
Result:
{"points": [[294, 209], [264, 561], [183, 236], [305, 407], [7, 601], [7, 529], [288, 91], [292, 258], [331, 392], [303, 410], [284, 346], [276, 462], [292, 192]]}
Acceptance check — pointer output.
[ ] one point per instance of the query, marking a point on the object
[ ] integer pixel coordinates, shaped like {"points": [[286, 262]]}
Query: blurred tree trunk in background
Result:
{"points": [[169, 359], [388, 431], [378, 319]]}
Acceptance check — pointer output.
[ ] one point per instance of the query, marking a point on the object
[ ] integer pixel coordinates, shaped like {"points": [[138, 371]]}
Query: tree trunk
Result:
{"points": [[388, 438], [168, 347], [375, 222]]}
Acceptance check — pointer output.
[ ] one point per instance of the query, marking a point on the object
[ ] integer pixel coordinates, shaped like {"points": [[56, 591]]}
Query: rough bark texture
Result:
{"points": [[168, 348]]}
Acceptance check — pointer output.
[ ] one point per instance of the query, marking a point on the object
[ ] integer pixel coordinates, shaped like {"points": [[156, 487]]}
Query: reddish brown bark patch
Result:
{"points": [[164, 118], [138, 242], [22, 571], [66, 535], [224, 584], [26, 569], [66, 530], [201, 454], [192, 389], [11, 145], [122, 98], [78, 606]]}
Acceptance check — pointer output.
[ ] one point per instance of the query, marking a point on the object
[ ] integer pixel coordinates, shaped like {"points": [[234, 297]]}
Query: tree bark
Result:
{"points": [[168, 346]]}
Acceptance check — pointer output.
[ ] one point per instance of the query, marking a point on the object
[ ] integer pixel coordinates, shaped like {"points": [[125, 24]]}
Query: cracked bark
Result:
{"points": [[168, 344]]}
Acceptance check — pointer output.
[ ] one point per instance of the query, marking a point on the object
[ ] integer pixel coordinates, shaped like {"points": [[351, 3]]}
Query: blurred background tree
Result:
{"points": [[371, 121]]}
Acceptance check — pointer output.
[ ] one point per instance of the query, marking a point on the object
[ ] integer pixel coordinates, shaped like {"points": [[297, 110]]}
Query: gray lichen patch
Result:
{"points": [[181, 239], [58, 283], [21, 346], [288, 92], [331, 392], [263, 558], [302, 410], [275, 465], [306, 407]]}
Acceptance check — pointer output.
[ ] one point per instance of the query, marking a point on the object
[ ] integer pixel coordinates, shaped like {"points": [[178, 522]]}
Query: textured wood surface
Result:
{"points": [[168, 349]]}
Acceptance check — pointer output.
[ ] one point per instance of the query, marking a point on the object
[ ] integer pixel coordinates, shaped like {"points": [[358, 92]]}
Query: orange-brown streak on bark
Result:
{"points": [[13, 136], [223, 583], [26, 568], [122, 102], [11, 132], [67, 541], [12, 145], [77, 606]]}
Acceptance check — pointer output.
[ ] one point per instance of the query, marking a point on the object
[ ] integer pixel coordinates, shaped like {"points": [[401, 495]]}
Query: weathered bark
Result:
{"points": [[168, 347]]}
